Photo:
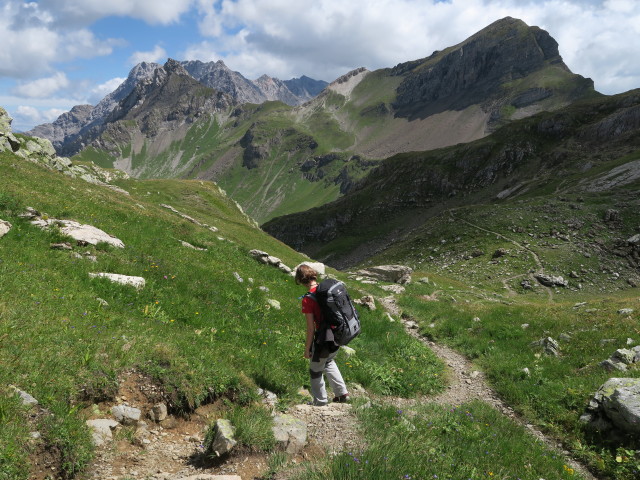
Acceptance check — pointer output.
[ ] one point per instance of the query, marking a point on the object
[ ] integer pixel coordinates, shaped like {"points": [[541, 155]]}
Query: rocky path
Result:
{"points": [[466, 384], [173, 450], [533, 254]]}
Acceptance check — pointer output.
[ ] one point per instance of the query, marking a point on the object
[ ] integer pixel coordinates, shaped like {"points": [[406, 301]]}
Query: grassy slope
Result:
{"points": [[194, 328], [463, 286]]}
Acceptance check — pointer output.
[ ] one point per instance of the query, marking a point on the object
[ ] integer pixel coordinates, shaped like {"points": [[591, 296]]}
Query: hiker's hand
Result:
{"points": [[307, 353]]}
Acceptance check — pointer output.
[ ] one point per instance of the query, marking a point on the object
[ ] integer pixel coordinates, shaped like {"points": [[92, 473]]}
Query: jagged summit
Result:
{"points": [[488, 66], [73, 130]]}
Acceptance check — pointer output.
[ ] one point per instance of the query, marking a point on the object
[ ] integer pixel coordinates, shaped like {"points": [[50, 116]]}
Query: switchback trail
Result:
{"points": [[533, 254]]}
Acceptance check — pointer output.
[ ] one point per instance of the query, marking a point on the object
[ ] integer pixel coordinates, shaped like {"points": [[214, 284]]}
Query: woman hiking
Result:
{"points": [[318, 349]]}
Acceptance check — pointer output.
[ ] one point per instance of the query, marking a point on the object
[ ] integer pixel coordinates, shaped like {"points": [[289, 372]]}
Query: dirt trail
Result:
{"points": [[174, 451], [467, 383], [533, 254]]}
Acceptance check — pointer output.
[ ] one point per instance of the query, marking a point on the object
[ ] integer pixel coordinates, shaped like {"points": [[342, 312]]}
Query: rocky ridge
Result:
{"points": [[475, 71], [40, 151], [72, 130]]}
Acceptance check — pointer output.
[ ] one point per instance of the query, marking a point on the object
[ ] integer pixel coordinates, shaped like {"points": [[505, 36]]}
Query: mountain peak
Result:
{"points": [[175, 67], [482, 69]]}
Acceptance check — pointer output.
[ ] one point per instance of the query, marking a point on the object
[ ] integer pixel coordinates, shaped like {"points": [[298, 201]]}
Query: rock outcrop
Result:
{"points": [[4, 228], [136, 282], [41, 151], [388, 273], [615, 408]]}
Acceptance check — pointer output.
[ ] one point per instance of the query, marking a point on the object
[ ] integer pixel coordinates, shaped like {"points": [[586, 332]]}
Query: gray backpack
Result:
{"points": [[339, 314]]}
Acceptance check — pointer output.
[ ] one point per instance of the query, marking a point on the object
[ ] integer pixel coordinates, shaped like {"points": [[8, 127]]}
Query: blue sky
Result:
{"points": [[60, 53]]}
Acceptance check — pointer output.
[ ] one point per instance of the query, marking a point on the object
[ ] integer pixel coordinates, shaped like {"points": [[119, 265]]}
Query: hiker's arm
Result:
{"points": [[310, 331]]}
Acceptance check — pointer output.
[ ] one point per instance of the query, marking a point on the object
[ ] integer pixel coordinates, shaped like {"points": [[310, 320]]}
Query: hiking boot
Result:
{"points": [[341, 399]]}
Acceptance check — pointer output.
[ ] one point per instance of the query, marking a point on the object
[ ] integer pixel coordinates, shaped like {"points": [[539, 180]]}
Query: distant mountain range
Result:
{"points": [[67, 131], [199, 120]]}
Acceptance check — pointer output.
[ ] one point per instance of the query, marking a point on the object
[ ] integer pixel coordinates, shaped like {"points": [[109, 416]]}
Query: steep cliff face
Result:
{"points": [[482, 69], [70, 132], [163, 103], [68, 125], [74, 130]]}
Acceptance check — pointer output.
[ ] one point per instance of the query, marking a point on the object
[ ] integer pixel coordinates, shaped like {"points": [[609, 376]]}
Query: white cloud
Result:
{"points": [[157, 55], [326, 38], [43, 87], [34, 116], [84, 12], [31, 41], [98, 92]]}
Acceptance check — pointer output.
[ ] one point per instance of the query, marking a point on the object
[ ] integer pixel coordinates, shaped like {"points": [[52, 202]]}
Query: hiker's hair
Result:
{"points": [[305, 274]]}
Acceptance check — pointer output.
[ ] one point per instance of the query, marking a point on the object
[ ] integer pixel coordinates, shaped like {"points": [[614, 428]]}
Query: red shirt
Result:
{"points": [[309, 305]]}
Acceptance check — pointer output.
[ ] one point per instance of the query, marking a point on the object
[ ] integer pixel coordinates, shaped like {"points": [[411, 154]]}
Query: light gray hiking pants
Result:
{"points": [[330, 369]]}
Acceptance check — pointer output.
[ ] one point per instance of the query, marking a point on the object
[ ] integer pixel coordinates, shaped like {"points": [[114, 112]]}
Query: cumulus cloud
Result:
{"points": [[154, 56], [43, 87], [34, 116], [326, 38], [73, 12], [98, 92], [31, 41]]}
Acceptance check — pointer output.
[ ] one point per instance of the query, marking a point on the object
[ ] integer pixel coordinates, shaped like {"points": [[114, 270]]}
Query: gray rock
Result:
{"points": [[397, 289], [551, 280], [83, 234], [158, 412], [268, 398], [620, 402], [25, 398], [549, 345], [623, 355], [290, 433], [30, 213], [192, 247], [259, 255], [101, 430], [4, 228], [611, 366], [137, 282], [238, 277], [224, 440], [501, 252], [5, 122], [565, 337], [61, 246], [635, 240], [611, 215], [126, 415], [526, 284], [367, 301], [389, 273], [625, 311], [141, 435], [284, 269]]}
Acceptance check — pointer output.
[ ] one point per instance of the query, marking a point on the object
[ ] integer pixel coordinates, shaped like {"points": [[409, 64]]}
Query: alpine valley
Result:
{"points": [[502, 182]]}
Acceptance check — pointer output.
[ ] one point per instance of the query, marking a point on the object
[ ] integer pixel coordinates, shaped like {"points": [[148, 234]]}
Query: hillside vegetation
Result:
{"points": [[569, 167], [196, 330], [275, 159]]}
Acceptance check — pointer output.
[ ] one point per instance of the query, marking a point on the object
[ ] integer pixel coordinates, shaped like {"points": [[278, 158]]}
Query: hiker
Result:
{"points": [[318, 348]]}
